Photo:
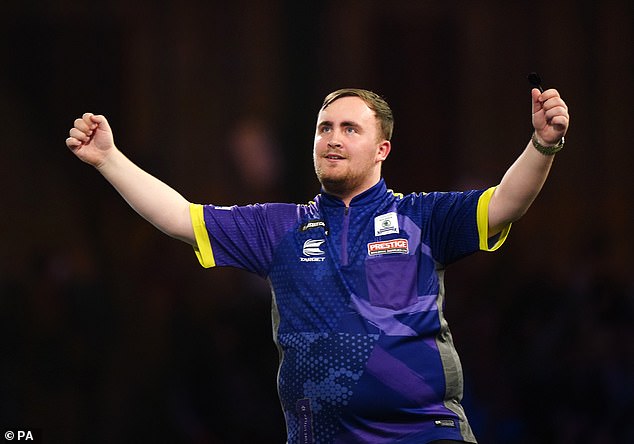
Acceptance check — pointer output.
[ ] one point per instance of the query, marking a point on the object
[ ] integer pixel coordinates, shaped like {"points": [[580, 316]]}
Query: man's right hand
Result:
{"points": [[91, 139]]}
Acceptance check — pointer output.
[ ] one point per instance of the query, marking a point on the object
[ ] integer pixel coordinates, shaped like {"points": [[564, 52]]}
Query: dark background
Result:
{"points": [[112, 332]]}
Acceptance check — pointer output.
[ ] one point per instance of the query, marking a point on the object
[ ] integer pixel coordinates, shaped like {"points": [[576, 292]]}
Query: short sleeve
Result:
{"points": [[458, 224], [488, 243], [243, 237], [203, 245]]}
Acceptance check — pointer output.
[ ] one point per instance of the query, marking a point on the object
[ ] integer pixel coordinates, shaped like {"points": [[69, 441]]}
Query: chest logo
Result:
{"points": [[386, 224], [400, 246], [312, 251], [315, 223]]}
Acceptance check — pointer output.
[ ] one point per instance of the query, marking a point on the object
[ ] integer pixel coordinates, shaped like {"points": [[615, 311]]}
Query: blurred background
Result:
{"points": [[112, 332]]}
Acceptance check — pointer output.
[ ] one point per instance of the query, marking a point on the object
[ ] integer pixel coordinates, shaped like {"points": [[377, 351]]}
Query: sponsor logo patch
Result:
{"points": [[305, 417], [400, 246], [386, 224], [315, 223], [312, 251], [445, 423]]}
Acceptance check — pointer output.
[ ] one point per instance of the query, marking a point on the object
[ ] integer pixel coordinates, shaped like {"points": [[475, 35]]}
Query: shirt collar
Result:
{"points": [[371, 194]]}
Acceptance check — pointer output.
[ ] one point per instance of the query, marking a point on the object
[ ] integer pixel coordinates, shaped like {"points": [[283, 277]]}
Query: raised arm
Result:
{"points": [[523, 181], [92, 141]]}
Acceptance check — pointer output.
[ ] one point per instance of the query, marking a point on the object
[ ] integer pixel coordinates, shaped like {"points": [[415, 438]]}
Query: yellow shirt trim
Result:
{"points": [[203, 245], [495, 242]]}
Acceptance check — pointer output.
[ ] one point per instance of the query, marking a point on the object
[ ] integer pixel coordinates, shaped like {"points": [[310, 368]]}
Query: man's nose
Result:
{"points": [[334, 143]]}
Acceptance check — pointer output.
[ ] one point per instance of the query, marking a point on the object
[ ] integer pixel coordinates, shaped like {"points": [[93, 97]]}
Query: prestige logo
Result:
{"points": [[400, 246]]}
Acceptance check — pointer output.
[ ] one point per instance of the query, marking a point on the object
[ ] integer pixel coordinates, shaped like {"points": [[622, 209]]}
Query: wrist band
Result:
{"points": [[547, 150]]}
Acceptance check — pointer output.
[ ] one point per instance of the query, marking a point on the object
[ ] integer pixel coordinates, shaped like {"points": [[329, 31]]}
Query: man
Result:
{"points": [[357, 274]]}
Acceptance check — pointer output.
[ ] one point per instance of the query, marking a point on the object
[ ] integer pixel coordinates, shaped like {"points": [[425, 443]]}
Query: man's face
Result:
{"points": [[348, 151]]}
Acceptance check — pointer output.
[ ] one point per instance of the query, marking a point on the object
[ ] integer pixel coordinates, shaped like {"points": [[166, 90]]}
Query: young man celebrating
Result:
{"points": [[357, 274]]}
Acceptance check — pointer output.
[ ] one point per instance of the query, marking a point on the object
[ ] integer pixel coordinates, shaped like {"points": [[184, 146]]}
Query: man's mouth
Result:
{"points": [[333, 156]]}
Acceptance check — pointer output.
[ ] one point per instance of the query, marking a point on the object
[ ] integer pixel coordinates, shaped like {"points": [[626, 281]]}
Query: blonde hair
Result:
{"points": [[375, 102]]}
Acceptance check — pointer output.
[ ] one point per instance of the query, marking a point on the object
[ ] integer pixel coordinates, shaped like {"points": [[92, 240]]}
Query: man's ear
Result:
{"points": [[383, 150]]}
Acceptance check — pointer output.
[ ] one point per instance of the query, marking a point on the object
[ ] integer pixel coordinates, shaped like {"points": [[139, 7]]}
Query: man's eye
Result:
{"points": [[351, 130], [324, 129]]}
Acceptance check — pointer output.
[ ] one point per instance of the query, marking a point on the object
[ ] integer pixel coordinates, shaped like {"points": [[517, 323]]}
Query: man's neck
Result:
{"points": [[346, 196]]}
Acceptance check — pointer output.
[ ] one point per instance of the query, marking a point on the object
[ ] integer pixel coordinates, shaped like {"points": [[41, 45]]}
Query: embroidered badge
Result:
{"points": [[445, 423], [388, 247], [386, 224], [315, 223]]}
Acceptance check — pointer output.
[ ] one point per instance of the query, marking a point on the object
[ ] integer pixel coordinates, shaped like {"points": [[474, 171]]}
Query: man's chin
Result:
{"points": [[335, 185]]}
